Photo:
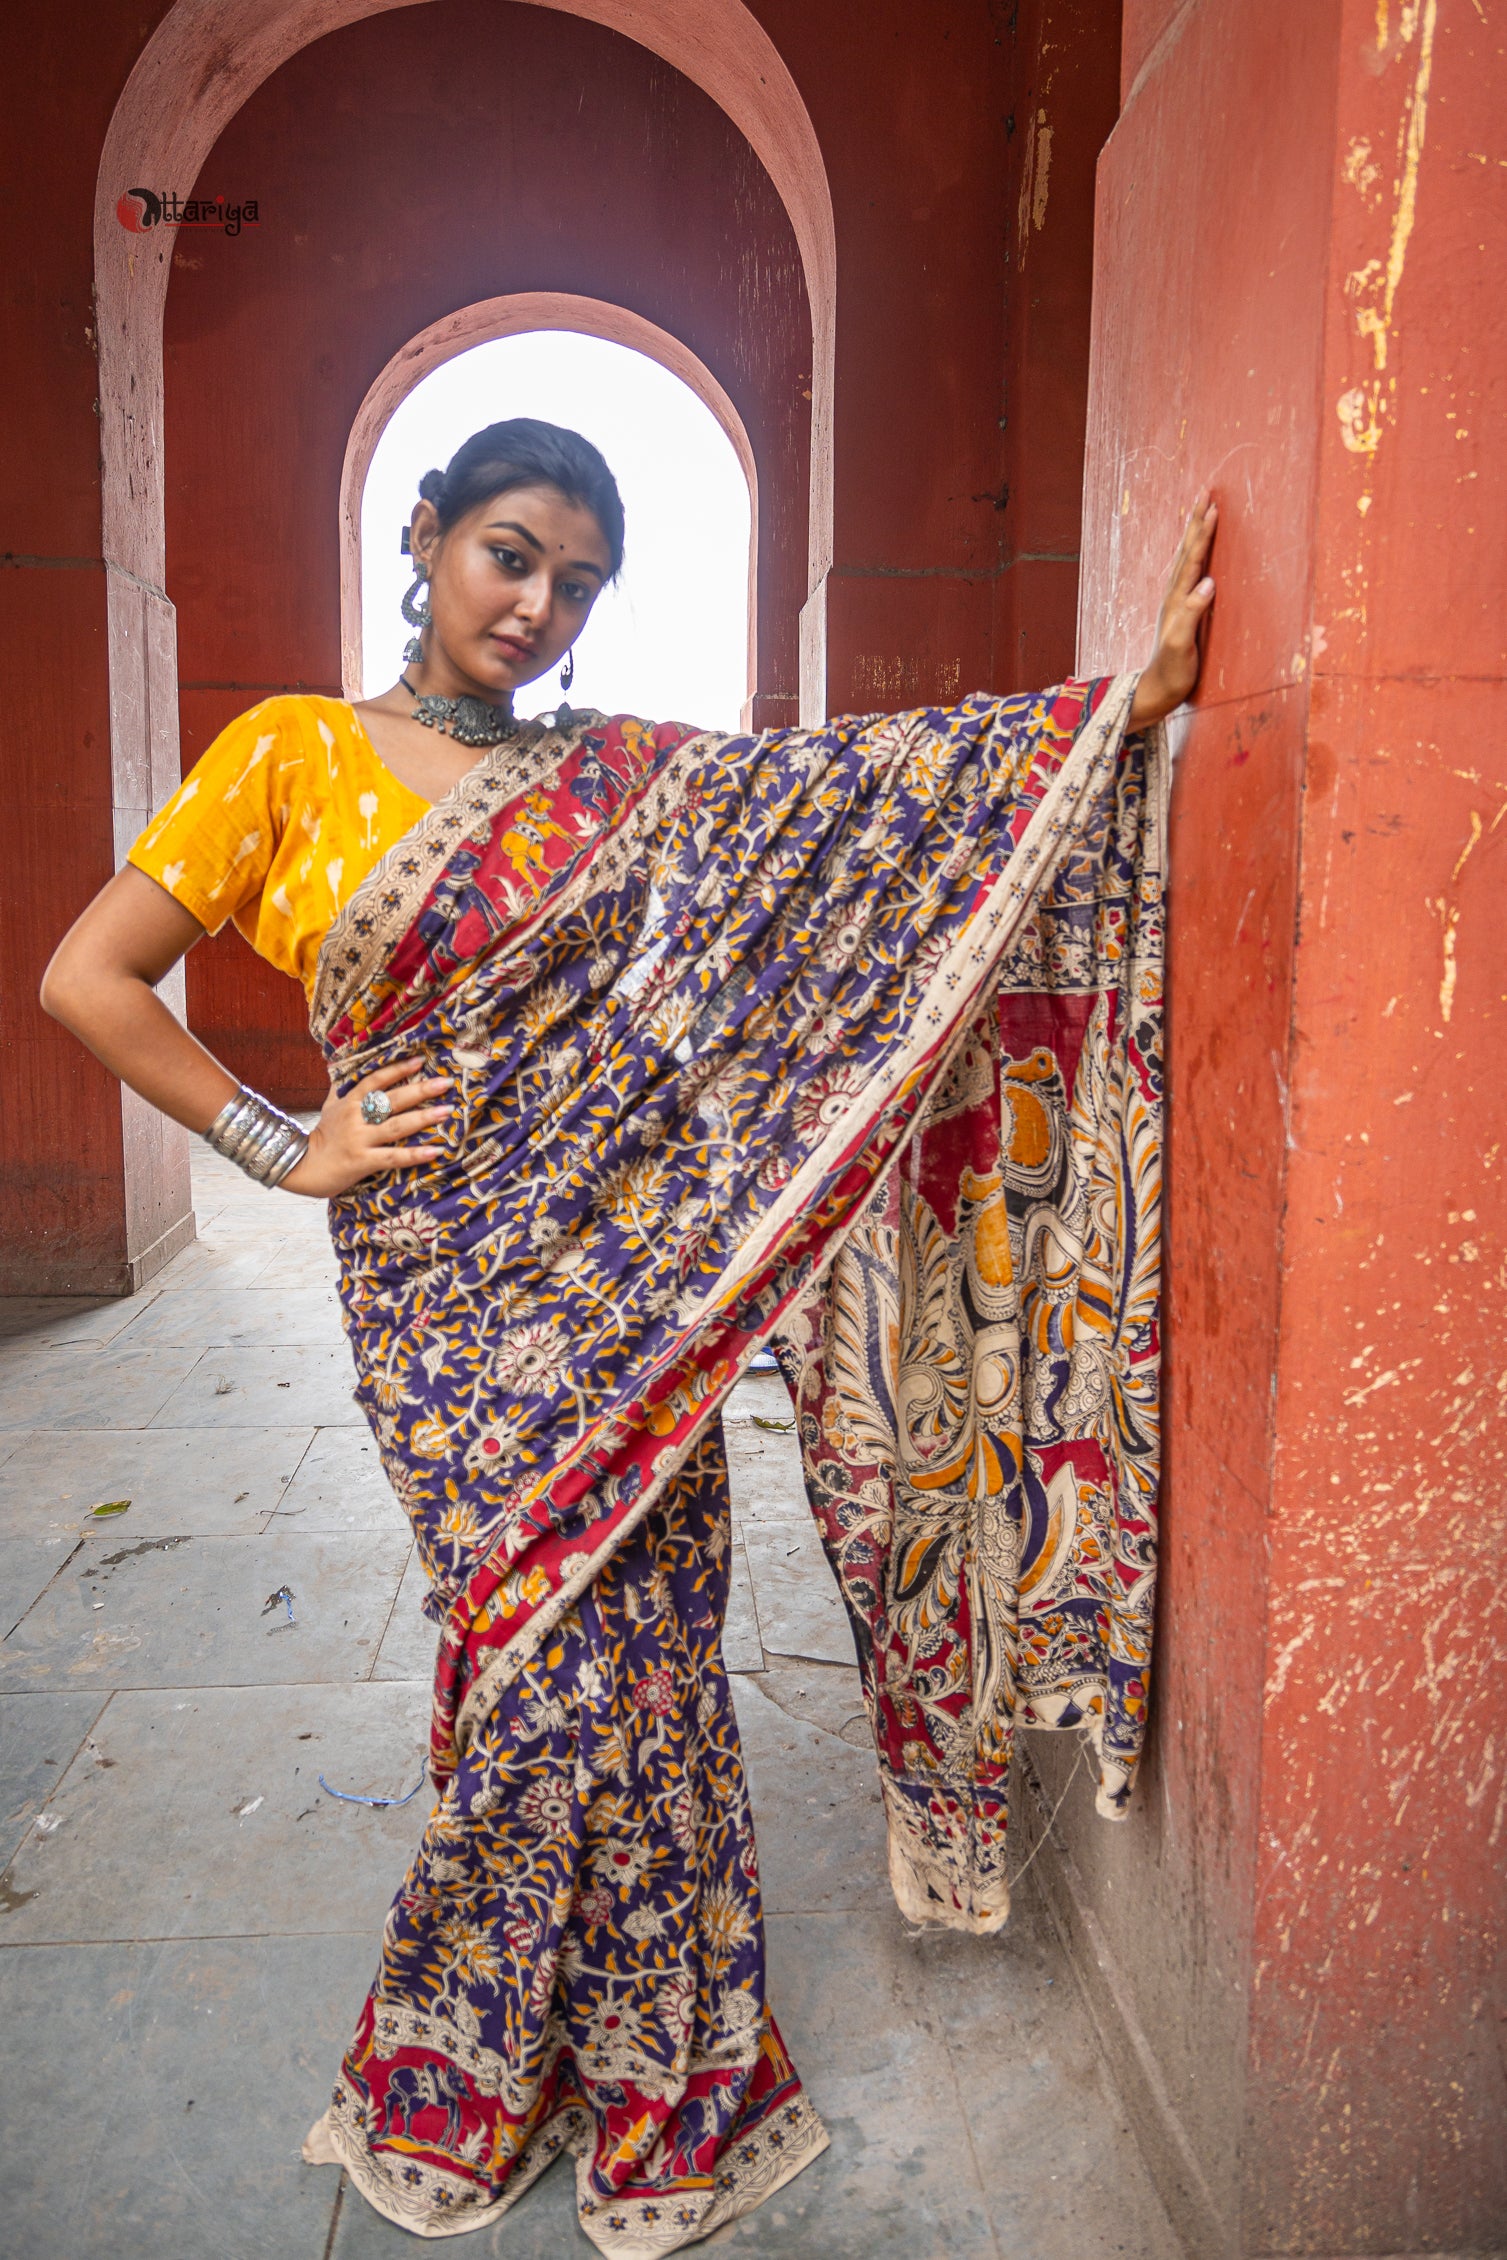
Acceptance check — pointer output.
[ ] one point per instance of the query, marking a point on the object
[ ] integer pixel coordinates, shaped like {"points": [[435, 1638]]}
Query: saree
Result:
{"points": [[731, 1023]]}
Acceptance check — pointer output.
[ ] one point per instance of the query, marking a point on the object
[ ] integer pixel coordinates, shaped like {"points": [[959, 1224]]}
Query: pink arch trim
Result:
{"points": [[510, 316]]}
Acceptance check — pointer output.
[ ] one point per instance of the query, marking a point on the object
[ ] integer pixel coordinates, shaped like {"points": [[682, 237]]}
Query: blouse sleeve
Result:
{"points": [[212, 845]]}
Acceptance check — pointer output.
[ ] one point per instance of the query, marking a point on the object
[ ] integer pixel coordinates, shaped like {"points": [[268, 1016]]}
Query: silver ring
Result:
{"points": [[375, 1107]]}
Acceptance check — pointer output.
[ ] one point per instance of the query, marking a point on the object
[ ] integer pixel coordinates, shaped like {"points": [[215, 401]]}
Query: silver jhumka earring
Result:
{"points": [[568, 671], [417, 615]]}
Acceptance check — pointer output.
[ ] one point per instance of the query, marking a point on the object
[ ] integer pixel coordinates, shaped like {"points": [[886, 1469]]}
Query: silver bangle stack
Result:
{"points": [[258, 1137]]}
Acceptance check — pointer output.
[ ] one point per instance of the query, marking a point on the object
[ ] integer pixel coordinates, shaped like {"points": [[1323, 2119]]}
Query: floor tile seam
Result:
{"points": [[235, 1222], [392, 1611], [88, 1529], [786, 1657], [220, 1686], [40, 1430], [753, 1602], [215, 1260], [80, 1428], [314, 1435], [833, 1734], [753, 1598], [150, 1296], [329, 2242], [86, 1354], [122, 1427], [102, 1533], [64, 1770], [214, 1428], [31, 1604], [183, 1938], [226, 1345], [19, 1347]]}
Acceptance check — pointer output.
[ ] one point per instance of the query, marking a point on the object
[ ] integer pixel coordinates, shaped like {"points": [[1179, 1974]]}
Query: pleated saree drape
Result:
{"points": [[846, 1039]]}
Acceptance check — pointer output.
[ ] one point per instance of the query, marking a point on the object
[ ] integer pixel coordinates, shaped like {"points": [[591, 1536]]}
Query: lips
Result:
{"points": [[512, 647]]}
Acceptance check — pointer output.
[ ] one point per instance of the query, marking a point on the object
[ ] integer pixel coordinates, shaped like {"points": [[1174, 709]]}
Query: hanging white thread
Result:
{"points": [[1012, 1881]]}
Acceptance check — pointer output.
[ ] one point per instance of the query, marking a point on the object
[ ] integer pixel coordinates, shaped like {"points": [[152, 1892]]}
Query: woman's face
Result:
{"points": [[511, 586]]}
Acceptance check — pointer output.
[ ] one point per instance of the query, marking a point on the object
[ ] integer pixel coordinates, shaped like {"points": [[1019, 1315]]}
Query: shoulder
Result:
{"points": [[280, 751], [327, 717], [264, 729], [301, 718], [295, 735]]}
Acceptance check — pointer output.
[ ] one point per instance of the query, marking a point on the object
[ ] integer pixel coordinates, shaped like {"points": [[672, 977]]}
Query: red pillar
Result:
{"points": [[960, 146], [93, 1187], [1294, 1945], [1064, 98]]}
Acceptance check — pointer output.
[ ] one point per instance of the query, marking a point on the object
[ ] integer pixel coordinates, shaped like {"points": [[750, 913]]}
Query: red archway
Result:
{"points": [[201, 64]]}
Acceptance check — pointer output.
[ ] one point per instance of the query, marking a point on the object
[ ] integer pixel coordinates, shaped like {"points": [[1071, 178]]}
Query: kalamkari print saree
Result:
{"points": [[844, 1040]]}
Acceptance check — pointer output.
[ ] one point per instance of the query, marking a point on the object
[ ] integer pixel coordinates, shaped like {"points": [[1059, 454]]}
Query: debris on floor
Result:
{"points": [[348, 1797]]}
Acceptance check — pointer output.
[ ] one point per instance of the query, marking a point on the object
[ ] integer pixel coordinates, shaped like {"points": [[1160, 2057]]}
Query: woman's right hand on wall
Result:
{"points": [[344, 1147], [1171, 673]]}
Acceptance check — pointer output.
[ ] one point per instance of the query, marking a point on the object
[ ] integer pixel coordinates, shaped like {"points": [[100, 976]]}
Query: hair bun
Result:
{"points": [[522, 452]]}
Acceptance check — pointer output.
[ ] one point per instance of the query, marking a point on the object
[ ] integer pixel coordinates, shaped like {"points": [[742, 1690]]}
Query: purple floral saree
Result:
{"points": [[844, 1039]]}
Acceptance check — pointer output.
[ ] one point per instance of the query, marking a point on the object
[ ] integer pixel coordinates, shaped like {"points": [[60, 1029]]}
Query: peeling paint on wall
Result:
{"points": [[1363, 409], [1035, 185], [1449, 920], [899, 682]]}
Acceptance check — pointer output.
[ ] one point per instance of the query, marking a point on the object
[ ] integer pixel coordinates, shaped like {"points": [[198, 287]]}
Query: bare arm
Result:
{"points": [[102, 983]]}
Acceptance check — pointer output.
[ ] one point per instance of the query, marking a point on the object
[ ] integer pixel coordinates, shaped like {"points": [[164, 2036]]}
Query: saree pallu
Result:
{"points": [[698, 996]]}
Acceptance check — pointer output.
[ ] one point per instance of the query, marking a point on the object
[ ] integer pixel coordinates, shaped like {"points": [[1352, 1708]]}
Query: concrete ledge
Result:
{"points": [[1159, 2132]]}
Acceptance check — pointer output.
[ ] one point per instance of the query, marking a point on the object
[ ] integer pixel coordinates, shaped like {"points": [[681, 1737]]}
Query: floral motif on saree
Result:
{"points": [[724, 1023]]}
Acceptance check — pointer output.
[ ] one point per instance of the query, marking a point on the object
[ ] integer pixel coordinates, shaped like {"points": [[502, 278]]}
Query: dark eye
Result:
{"points": [[509, 559], [575, 592]]}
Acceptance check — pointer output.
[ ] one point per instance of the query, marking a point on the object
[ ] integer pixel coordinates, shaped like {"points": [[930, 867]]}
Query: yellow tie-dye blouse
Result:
{"points": [[277, 825]]}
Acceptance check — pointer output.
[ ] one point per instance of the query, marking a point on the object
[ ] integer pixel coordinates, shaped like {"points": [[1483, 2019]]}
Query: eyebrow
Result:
{"points": [[512, 526]]}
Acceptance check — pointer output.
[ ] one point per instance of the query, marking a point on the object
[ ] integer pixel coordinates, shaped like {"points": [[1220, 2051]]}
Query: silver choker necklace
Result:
{"points": [[470, 721]]}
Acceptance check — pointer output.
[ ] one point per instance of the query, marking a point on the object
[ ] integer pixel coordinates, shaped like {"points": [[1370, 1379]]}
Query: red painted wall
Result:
{"points": [[945, 324], [67, 1222], [1379, 1962], [1297, 224], [1064, 98]]}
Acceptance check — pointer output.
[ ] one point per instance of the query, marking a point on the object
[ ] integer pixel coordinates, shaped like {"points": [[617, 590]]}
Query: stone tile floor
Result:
{"points": [[188, 1924]]}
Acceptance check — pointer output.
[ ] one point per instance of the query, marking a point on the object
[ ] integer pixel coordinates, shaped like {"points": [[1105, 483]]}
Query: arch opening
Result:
{"points": [[661, 642]]}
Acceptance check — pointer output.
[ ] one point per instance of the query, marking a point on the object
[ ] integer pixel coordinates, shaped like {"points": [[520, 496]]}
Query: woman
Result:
{"points": [[625, 1027]]}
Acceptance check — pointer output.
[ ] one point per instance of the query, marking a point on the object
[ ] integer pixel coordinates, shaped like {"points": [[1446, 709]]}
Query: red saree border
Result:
{"points": [[361, 980]]}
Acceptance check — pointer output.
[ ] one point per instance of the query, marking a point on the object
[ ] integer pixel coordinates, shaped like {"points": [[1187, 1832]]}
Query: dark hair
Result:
{"points": [[523, 452]]}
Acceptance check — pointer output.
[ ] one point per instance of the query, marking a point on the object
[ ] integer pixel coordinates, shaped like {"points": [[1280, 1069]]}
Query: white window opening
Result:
{"points": [[670, 640]]}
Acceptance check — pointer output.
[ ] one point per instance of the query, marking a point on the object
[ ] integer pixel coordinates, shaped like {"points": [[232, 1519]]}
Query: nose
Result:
{"points": [[535, 601]]}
